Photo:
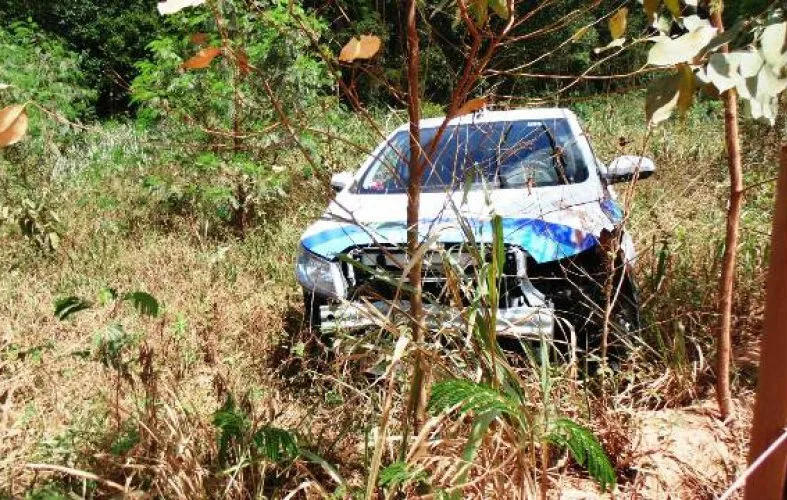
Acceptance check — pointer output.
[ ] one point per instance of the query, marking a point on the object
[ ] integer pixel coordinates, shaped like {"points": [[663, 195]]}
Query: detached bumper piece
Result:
{"points": [[522, 322]]}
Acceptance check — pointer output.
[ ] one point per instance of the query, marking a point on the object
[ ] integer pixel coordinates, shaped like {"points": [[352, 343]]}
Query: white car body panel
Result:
{"points": [[587, 208]]}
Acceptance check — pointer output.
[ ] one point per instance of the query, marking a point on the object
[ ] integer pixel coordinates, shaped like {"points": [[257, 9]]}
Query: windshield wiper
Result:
{"points": [[557, 152]]}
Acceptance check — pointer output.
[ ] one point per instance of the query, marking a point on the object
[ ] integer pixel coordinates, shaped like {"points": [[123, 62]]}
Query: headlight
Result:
{"points": [[319, 275]]}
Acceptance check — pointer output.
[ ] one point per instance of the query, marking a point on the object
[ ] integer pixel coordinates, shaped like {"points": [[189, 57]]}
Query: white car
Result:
{"points": [[534, 168]]}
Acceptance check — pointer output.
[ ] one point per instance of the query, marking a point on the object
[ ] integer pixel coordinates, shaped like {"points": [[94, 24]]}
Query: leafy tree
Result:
{"points": [[110, 37], [42, 91], [265, 38], [226, 79], [40, 67]]}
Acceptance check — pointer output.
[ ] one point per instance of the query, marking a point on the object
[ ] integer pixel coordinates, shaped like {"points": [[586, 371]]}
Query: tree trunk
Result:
{"points": [[727, 280], [419, 389], [770, 408]]}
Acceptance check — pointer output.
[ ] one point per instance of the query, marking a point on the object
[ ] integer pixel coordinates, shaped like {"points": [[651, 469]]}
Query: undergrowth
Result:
{"points": [[223, 392]]}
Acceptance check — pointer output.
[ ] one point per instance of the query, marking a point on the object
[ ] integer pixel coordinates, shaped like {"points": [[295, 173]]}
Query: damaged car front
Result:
{"points": [[529, 176]]}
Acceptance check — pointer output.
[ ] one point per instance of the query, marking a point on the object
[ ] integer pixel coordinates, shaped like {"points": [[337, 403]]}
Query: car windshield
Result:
{"points": [[498, 155]]}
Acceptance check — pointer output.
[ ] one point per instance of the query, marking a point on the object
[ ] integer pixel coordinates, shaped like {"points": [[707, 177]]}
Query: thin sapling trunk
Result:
{"points": [[727, 279], [419, 389]]}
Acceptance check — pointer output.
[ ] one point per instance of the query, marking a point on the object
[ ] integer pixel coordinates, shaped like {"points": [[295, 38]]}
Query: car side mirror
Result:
{"points": [[341, 180], [623, 168]]}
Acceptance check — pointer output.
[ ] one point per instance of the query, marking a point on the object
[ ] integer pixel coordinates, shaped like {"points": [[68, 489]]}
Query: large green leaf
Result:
{"points": [[481, 425], [686, 86], [232, 424]]}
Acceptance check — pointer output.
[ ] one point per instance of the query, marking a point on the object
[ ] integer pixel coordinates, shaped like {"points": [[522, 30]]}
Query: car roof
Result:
{"points": [[497, 116]]}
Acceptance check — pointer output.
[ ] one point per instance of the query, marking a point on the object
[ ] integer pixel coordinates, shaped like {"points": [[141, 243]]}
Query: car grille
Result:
{"points": [[375, 272]]}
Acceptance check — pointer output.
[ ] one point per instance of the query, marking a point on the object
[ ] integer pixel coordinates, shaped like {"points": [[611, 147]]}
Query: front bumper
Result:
{"points": [[523, 322]]}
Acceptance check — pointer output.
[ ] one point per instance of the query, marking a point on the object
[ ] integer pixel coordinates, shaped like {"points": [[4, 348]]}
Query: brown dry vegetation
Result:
{"points": [[231, 324]]}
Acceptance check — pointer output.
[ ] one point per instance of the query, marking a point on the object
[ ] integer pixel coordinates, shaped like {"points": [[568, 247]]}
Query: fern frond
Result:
{"points": [[585, 448], [275, 444], [470, 396]]}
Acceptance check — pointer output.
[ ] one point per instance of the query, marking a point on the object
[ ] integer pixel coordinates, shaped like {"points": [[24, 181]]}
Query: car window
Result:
{"points": [[500, 155]]}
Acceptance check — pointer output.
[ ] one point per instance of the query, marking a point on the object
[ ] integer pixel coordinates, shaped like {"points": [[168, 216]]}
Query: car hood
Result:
{"points": [[549, 223]]}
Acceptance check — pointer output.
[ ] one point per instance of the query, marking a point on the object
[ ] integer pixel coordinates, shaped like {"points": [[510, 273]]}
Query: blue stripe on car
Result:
{"points": [[612, 209], [544, 241]]}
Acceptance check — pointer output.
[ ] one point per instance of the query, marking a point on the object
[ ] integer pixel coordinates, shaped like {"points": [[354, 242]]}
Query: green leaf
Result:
{"points": [[470, 396], [112, 344], [585, 448], [394, 474], [67, 306], [498, 244], [275, 444], [124, 442], [685, 88], [143, 302], [400, 474], [107, 295], [480, 427], [232, 424]]}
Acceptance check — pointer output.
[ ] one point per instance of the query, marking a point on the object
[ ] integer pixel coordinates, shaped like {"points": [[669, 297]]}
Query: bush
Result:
{"points": [[39, 67], [110, 37]]}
